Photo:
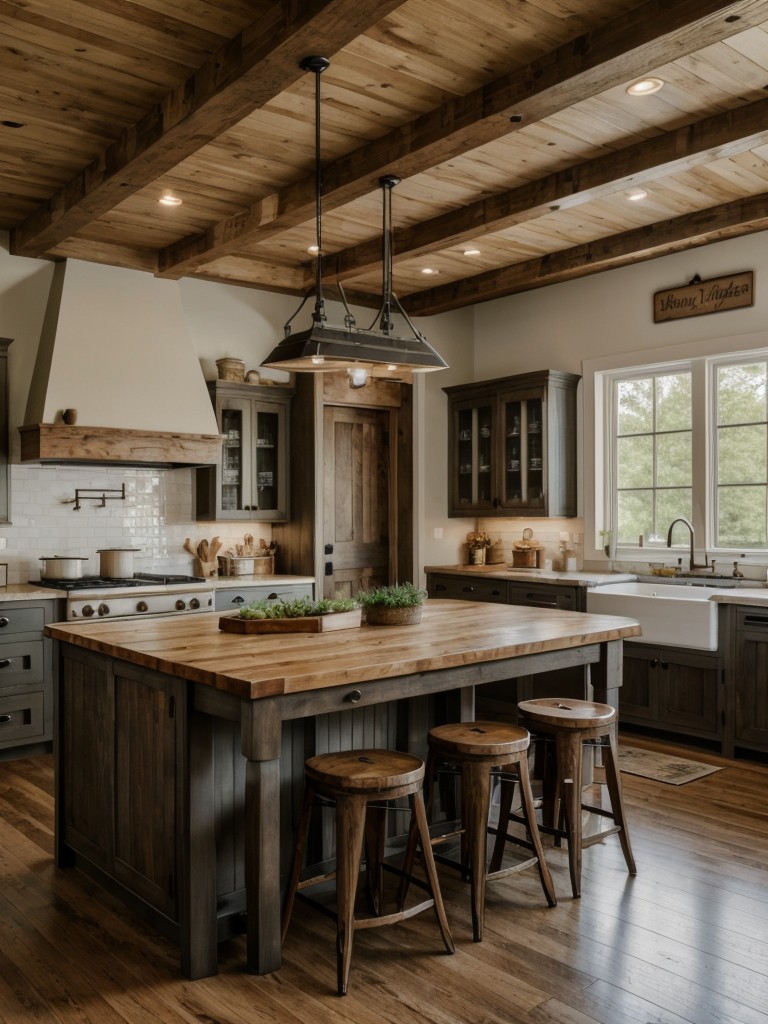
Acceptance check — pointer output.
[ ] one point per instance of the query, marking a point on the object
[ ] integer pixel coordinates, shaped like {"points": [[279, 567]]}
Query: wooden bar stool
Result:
{"points": [[479, 747], [359, 782], [570, 723]]}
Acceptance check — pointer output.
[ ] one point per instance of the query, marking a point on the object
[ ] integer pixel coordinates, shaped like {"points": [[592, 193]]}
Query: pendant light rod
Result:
{"points": [[317, 65]]}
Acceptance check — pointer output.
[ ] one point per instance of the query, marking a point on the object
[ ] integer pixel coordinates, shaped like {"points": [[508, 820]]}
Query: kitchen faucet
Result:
{"points": [[693, 563]]}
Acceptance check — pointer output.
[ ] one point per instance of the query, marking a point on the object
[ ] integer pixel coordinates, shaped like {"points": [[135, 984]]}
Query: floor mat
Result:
{"points": [[662, 767]]}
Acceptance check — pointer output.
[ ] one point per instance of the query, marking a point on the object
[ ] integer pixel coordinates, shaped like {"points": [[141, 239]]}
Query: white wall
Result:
{"points": [[559, 327]]}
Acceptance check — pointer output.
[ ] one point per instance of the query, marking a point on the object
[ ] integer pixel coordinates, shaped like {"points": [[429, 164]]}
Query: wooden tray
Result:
{"points": [[303, 624]]}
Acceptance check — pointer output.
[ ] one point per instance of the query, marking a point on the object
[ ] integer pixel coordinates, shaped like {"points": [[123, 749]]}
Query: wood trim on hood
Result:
{"points": [[59, 442]]}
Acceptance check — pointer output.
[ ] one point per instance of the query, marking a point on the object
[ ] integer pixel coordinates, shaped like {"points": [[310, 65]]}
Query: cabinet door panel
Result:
{"points": [[751, 712], [639, 696], [145, 801], [688, 688]]}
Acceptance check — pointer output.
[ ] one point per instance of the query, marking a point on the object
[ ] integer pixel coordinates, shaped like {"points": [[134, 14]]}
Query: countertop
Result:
{"points": [[30, 592], [501, 572], [742, 595], [452, 634]]}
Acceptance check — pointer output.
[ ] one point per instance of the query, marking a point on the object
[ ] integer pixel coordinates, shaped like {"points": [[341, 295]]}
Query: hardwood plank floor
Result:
{"points": [[684, 942]]}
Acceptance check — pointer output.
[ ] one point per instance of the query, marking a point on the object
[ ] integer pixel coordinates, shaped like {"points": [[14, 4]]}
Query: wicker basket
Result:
{"points": [[247, 565], [376, 616]]}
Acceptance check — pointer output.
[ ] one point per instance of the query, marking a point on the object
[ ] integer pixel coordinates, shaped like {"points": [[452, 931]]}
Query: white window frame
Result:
{"points": [[599, 491]]}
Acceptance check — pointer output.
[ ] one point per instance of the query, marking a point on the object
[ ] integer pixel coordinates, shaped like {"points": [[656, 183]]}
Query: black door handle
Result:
{"points": [[329, 568], [6, 662]]}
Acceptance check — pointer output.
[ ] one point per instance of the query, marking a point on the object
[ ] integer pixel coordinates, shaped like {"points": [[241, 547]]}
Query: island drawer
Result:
{"points": [[21, 663], [22, 717]]}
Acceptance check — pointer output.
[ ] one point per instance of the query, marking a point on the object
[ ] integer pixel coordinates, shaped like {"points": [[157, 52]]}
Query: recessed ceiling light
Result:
{"points": [[645, 86], [429, 270], [313, 249], [169, 200], [471, 252], [636, 194]]}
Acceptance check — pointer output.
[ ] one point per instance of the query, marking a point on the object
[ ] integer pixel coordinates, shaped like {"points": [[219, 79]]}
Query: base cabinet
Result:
{"points": [[26, 678], [750, 679], [671, 689]]}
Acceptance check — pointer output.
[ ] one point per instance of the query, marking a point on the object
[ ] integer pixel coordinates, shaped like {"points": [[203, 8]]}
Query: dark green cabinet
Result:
{"points": [[512, 446]]}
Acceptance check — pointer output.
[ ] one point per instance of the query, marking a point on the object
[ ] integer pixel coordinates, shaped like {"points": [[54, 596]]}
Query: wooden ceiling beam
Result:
{"points": [[714, 138], [646, 37], [730, 220], [253, 68]]}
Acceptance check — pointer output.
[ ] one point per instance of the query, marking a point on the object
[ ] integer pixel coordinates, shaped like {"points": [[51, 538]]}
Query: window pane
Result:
{"points": [[741, 455], [741, 517], [635, 406], [673, 460], [673, 402], [669, 505], [635, 461], [741, 393], [635, 515]]}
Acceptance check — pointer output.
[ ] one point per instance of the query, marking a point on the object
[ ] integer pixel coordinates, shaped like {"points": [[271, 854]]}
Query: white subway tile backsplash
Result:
{"points": [[155, 517]]}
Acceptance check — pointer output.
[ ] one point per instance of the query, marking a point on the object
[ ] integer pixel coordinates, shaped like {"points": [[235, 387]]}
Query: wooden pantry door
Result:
{"points": [[359, 525]]}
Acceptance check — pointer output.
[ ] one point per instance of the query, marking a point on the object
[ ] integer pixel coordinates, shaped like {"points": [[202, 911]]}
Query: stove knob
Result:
{"points": [[103, 609], [194, 603], [142, 606], [87, 611], [180, 605]]}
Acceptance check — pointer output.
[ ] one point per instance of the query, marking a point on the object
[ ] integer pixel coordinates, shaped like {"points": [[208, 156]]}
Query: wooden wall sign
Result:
{"points": [[699, 297]]}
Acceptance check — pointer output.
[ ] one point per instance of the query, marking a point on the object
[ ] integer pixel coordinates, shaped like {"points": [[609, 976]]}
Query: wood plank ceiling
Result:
{"points": [[508, 122]]}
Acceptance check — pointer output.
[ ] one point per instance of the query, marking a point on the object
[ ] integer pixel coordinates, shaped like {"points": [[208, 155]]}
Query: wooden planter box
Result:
{"points": [[301, 624]]}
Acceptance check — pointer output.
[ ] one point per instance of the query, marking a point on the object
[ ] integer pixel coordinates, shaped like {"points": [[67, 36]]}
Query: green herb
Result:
{"points": [[297, 608], [398, 595]]}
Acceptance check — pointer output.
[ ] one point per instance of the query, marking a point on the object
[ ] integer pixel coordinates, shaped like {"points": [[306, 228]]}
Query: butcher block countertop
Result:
{"points": [[451, 634]]}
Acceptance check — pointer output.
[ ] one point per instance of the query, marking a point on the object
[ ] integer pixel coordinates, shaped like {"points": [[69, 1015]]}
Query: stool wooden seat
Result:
{"points": [[570, 723], [479, 747], [360, 782]]}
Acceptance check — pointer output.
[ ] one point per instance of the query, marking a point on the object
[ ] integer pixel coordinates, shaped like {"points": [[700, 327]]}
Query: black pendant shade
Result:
{"points": [[323, 347]]}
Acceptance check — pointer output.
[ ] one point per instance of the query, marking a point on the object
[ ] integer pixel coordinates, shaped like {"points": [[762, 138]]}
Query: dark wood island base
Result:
{"points": [[180, 749]]}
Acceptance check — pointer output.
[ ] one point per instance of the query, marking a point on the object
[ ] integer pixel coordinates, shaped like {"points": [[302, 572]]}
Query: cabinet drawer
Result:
{"points": [[21, 663], [227, 600], [543, 595], [22, 717], [460, 588], [20, 620]]}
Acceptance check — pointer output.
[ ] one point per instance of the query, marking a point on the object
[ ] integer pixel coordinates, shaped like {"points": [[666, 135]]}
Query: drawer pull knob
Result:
{"points": [[4, 620], [4, 719], [6, 662], [238, 600], [354, 696]]}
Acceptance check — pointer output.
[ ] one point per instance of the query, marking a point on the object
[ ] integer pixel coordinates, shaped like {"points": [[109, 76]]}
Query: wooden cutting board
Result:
{"points": [[302, 624]]}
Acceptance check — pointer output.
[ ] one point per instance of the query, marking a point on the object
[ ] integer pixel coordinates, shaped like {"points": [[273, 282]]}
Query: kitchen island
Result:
{"points": [[153, 794]]}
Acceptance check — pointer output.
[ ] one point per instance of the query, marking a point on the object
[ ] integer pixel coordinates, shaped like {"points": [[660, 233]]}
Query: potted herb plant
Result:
{"points": [[398, 604]]}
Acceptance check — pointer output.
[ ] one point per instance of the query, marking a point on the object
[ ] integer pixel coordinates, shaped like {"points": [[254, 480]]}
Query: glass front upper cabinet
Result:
{"points": [[512, 446], [252, 481]]}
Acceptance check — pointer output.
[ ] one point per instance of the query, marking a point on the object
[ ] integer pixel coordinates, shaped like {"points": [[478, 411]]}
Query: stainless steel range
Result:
{"points": [[145, 594]]}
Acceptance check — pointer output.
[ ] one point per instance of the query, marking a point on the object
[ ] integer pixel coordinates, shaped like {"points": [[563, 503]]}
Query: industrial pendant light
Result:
{"points": [[322, 348]]}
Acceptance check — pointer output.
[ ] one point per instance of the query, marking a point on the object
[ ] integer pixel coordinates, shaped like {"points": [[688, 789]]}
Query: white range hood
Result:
{"points": [[115, 347]]}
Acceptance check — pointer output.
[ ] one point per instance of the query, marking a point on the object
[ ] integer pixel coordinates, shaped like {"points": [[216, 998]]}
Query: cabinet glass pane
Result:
{"points": [[484, 459], [266, 460], [232, 460], [513, 466], [535, 482]]}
